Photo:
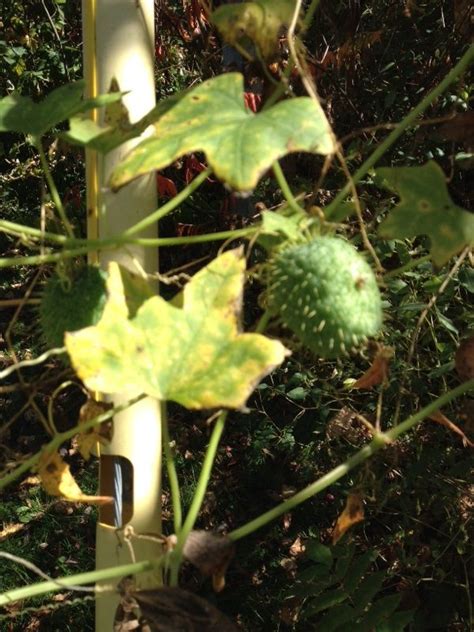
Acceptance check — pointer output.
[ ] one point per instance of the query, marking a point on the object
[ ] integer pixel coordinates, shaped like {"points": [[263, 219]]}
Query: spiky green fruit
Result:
{"points": [[72, 304], [327, 294]]}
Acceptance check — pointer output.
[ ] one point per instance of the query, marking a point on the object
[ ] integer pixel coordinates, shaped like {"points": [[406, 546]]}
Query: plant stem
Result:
{"points": [[52, 187], [117, 242], [308, 18], [413, 263], [60, 438], [169, 206], [198, 497], [285, 188], [378, 442], [408, 121], [104, 574], [263, 322], [172, 474]]}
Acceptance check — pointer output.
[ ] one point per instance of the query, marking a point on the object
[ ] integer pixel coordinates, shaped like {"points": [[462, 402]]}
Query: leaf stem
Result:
{"points": [[172, 474], [377, 443], [285, 188], [198, 496], [60, 438], [90, 245], [52, 187], [90, 577], [408, 121], [413, 263], [169, 206]]}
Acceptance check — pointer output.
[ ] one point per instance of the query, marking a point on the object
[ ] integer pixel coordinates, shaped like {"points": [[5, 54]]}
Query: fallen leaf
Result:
{"points": [[464, 359], [57, 480], [10, 529], [352, 514], [440, 418], [378, 371]]}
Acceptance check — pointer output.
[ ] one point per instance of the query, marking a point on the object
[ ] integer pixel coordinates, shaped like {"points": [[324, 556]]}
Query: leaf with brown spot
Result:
{"points": [[352, 514], [378, 371], [57, 480]]}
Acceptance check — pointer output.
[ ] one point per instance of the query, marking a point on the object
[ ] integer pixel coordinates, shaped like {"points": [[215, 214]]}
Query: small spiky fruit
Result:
{"points": [[72, 305], [325, 293]]}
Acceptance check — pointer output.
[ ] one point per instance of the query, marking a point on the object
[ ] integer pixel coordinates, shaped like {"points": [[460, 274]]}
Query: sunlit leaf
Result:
{"points": [[352, 514], [21, 114], [57, 480], [426, 208], [194, 354], [239, 145]]}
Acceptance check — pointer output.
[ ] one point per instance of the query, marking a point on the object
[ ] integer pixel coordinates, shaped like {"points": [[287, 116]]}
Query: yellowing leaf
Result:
{"points": [[352, 514], [192, 354], [260, 21], [378, 371], [240, 146], [57, 480], [86, 441]]}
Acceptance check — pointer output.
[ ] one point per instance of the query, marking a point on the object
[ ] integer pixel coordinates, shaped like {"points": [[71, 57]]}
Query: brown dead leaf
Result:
{"points": [[211, 554], [447, 423], [464, 359], [459, 128], [378, 371], [86, 442], [57, 480], [297, 548], [352, 514]]}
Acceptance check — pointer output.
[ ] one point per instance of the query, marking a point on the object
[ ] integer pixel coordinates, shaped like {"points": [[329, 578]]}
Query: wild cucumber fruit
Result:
{"points": [[72, 304], [325, 293]]}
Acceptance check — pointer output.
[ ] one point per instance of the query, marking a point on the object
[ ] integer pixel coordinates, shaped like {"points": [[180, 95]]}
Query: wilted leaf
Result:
{"points": [[352, 514], [194, 354], [426, 208], [21, 114], [57, 480], [260, 21], [440, 418], [171, 609], [86, 441], [211, 554], [239, 145], [378, 371]]}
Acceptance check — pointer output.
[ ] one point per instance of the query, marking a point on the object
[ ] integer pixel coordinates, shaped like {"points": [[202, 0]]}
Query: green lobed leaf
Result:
{"points": [[21, 114], [260, 21], [193, 355], [426, 208], [240, 146]]}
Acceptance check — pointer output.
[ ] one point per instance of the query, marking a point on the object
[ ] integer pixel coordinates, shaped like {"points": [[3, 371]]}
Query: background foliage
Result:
{"points": [[373, 61]]}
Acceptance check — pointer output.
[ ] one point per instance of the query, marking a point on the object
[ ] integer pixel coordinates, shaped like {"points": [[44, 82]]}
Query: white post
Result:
{"points": [[119, 43]]}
